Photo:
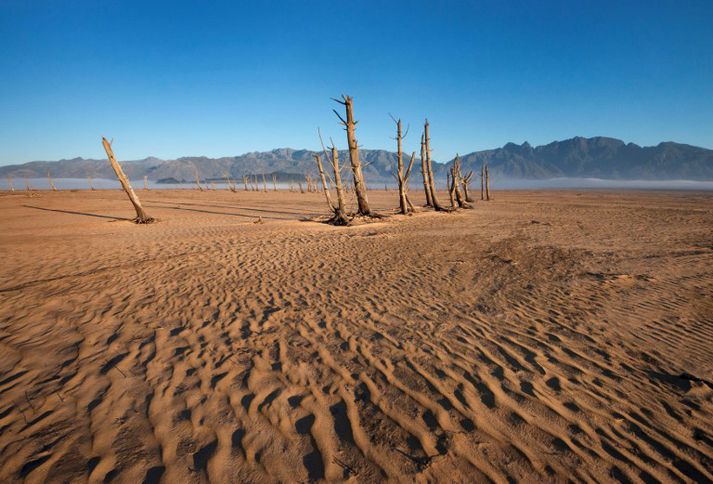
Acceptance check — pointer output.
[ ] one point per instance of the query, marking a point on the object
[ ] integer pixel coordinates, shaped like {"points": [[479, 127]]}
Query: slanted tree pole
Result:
{"points": [[429, 165], [141, 216], [323, 179], [359, 185], [91, 183], [404, 183]]}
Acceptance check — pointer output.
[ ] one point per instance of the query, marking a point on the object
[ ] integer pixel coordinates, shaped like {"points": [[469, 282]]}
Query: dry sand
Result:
{"points": [[543, 336]]}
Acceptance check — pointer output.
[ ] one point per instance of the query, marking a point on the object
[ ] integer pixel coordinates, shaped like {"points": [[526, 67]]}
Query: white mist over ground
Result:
{"points": [[496, 184]]}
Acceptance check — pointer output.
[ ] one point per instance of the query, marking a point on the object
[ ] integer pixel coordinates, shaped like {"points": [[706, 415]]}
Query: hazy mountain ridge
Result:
{"points": [[598, 157]]}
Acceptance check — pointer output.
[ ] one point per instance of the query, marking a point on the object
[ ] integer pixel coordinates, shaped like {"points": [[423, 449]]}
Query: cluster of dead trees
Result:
{"points": [[458, 184]]}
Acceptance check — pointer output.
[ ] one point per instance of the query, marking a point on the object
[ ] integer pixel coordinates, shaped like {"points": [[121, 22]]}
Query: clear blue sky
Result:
{"points": [[223, 78]]}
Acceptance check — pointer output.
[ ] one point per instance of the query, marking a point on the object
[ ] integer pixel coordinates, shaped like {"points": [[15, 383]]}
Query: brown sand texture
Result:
{"points": [[541, 337]]}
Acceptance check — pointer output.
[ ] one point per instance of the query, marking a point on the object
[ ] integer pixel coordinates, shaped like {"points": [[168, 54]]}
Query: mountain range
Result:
{"points": [[598, 157]]}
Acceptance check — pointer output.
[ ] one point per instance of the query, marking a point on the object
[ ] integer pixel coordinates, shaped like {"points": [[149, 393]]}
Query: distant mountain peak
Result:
{"points": [[599, 156]]}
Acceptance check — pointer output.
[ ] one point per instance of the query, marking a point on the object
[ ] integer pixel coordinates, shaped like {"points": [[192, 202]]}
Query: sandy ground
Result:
{"points": [[543, 336]]}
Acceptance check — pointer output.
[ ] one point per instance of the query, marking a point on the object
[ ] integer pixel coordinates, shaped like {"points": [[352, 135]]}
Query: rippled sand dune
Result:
{"points": [[543, 336]]}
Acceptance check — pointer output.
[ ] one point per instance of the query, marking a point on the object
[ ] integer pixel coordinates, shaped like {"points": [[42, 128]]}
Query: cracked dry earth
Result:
{"points": [[543, 336]]}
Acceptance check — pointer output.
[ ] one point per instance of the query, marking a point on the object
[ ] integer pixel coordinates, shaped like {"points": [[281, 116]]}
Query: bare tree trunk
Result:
{"points": [[432, 181], [359, 185], [457, 180], [482, 182], [274, 183], [325, 187], [91, 183], [487, 183], [231, 185], [49, 179], [146, 182], [141, 216], [466, 183], [450, 186], [245, 182], [300, 185], [424, 172], [10, 186], [198, 181], [403, 205]]}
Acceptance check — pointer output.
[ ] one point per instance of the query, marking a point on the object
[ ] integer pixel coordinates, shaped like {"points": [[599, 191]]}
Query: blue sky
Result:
{"points": [[222, 78]]}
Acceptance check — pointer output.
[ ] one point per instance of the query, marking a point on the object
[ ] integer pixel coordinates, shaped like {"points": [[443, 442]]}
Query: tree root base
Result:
{"points": [[144, 220]]}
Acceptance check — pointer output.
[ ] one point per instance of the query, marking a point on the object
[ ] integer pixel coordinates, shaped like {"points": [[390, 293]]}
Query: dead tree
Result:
{"points": [[451, 189], [146, 182], [350, 126], [482, 182], [466, 182], [424, 172], [429, 166], [49, 179], [299, 183], [264, 183], [456, 182], [487, 183], [91, 183], [274, 183], [405, 206], [231, 185], [198, 181], [323, 179], [10, 186], [245, 182], [141, 216]]}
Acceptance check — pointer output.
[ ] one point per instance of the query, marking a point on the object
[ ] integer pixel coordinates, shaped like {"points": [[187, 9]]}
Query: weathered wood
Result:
{"points": [[466, 186], [424, 173], [359, 185], [482, 182], [487, 183], [146, 182], [10, 186], [325, 187], [457, 182], [434, 197], [400, 176], [91, 183], [231, 185], [49, 179], [198, 181], [141, 216]]}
